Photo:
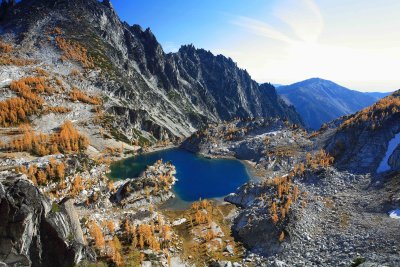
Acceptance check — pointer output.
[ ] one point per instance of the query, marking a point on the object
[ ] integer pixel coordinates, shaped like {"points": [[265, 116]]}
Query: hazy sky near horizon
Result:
{"points": [[352, 42]]}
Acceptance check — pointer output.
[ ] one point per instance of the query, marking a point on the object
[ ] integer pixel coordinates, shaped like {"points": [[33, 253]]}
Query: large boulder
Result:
{"points": [[34, 232]]}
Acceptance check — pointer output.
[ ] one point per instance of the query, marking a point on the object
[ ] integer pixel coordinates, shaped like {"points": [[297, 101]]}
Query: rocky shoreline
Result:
{"points": [[326, 219], [132, 201], [325, 227]]}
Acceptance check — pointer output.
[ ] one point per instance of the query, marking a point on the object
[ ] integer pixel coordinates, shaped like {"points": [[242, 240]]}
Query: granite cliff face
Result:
{"points": [[160, 95], [33, 232], [224, 91]]}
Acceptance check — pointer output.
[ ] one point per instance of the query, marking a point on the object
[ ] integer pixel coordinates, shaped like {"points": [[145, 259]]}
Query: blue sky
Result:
{"points": [[178, 22], [352, 42]]}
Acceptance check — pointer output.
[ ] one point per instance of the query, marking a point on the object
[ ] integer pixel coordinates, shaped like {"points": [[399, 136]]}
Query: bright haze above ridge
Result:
{"points": [[354, 43]]}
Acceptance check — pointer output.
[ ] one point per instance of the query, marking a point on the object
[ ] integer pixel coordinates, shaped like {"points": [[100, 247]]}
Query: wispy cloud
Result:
{"points": [[299, 53], [303, 18], [261, 28]]}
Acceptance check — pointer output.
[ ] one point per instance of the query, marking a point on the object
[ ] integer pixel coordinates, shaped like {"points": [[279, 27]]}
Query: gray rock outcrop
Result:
{"points": [[33, 232], [361, 146]]}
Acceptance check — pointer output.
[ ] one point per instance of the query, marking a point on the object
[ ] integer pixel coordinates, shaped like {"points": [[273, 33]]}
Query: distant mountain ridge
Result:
{"points": [[319, 101], [378, 95]]}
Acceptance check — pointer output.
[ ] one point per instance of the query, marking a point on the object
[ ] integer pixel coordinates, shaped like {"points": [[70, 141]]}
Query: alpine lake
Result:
{"points": [[198, 177]]}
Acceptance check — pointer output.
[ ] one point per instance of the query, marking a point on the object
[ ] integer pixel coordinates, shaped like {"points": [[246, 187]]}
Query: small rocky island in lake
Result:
{"points": [[116, 152]]}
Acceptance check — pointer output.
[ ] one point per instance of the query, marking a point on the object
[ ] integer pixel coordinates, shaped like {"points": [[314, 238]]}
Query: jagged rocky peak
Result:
{"points": [[230, 90], [190, 51], [107, 3], [160, 95]]}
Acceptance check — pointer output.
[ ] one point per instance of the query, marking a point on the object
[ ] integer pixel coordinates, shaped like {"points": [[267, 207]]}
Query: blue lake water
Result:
{"points": [[198, 177]]}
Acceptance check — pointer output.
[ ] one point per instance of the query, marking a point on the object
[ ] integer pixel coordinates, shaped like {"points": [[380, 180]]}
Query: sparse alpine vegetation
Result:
{"points": [[376, 115]]}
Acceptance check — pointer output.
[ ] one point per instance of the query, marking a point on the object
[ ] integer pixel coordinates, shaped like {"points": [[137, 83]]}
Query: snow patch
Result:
{"points": [[274, 133], [384, 165], [268, 134], [395, 214], [179, 221]]}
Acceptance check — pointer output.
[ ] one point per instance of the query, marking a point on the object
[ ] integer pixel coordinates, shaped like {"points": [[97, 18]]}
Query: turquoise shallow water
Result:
{"points": [[198, 177]]}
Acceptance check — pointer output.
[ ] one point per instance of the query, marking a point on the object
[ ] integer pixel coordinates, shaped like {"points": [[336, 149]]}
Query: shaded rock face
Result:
{"points": [[253, 226], [5, 7], [218, 86], [394, 160], [132, 119], [360, 148], [68, 209], [31, 234], [179, 91]]}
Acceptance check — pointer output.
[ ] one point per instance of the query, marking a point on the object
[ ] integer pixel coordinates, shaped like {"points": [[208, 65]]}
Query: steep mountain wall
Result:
{"points": [[164, 95]]}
